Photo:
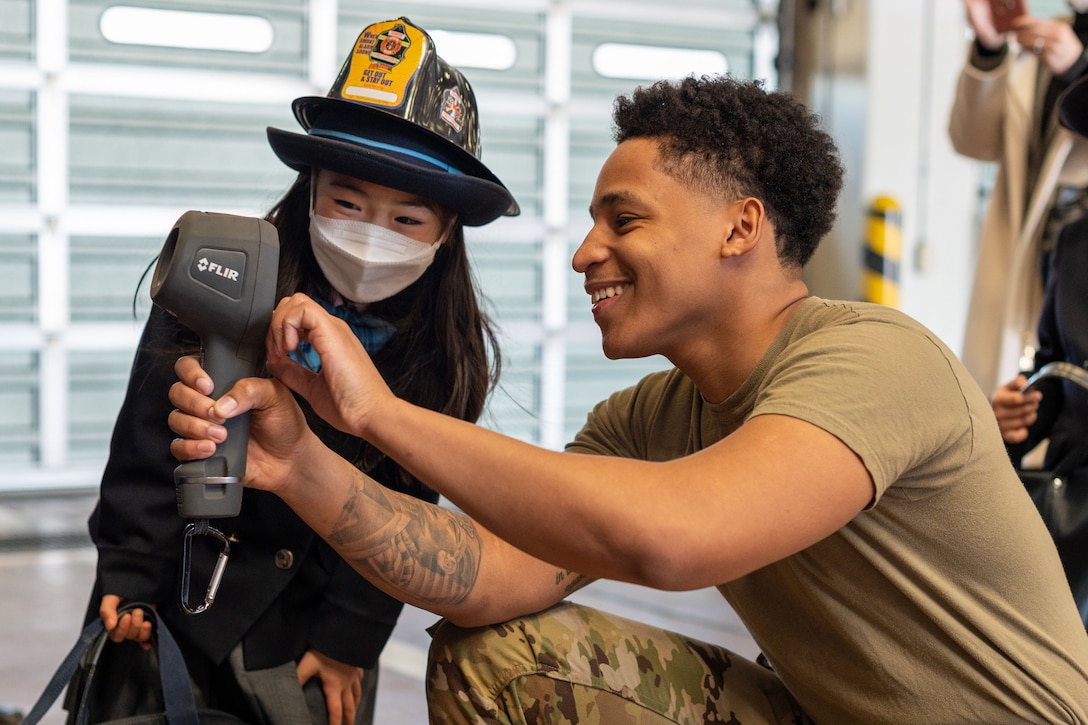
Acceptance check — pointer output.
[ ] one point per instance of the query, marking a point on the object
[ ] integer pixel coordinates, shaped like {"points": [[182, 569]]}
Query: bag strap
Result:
{"points": [[65, 672], [177, 694], [1058, 369]]}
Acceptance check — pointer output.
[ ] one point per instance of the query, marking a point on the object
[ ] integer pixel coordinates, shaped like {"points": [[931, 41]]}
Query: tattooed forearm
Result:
{"points": [[427, 553], [571, 581]]}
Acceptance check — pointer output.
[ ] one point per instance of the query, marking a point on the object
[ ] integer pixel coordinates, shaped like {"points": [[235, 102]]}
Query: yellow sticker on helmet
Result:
{"points": [[383, 64]]}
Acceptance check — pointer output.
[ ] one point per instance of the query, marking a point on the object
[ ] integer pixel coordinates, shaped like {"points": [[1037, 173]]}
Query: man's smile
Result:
{"points": [[605, 293]]}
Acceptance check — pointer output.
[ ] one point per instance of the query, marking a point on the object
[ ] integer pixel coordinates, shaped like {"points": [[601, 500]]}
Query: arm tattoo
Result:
{"points": [[572, 581], [429, 553]]}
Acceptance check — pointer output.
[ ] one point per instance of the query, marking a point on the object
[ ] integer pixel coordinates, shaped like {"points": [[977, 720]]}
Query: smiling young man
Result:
{"points": [[829, 466]]}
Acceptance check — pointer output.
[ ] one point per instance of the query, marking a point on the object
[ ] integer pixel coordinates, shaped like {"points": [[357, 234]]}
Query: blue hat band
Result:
{"points": [[385, 147]]}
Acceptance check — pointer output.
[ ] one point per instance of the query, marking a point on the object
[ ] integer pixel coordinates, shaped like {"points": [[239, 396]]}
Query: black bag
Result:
{"points": [[1061, 495], [156, 687]]}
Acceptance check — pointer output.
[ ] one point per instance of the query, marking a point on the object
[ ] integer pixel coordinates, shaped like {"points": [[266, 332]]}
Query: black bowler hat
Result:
{"points": [[1073, 107], [400, 116]]}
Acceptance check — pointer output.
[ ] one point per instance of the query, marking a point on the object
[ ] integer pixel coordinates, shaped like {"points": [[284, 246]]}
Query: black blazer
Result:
{"points": [[284, 590]]}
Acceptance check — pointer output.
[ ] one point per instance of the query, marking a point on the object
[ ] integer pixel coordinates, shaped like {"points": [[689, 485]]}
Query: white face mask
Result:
{"points": [[367, 262]]}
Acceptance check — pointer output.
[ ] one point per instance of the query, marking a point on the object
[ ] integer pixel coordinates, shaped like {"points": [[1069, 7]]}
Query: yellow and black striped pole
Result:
{"points": [[883, 250]]}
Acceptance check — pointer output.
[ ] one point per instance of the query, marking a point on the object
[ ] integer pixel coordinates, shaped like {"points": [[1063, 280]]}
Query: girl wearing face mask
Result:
{"points": [[372, 227], [1005, 111], [372, 241]]}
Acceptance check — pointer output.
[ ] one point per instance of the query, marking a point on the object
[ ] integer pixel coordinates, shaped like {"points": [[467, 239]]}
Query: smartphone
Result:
{"points": [[1005, 11]]}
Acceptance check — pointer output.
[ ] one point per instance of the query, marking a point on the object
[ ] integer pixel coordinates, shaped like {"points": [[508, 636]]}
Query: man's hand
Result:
{"points": [[349, 389], [341, 684], [1015, 411]]}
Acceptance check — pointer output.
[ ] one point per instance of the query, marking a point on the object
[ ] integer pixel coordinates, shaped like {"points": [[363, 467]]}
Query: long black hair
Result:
{"points": [[444, 354]]}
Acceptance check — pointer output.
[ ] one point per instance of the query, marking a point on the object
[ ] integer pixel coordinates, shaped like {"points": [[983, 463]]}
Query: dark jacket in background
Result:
{"points": [[1063, 336]]}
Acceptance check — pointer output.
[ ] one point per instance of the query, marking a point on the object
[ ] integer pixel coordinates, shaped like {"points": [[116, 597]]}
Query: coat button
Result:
{"points": [[284, 559]]}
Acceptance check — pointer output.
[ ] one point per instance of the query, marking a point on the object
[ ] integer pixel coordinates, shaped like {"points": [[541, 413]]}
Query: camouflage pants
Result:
{"points": [[574, 664]]}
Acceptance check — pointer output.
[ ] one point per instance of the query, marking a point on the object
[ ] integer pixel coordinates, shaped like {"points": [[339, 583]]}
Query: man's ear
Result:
{"points": [[744, 226]]}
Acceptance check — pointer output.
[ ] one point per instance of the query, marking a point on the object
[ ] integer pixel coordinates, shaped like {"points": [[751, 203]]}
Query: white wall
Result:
{"points": [[885, 92], [916, 51]]}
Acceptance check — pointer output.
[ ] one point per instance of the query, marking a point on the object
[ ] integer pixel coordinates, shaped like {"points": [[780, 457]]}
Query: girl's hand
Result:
{"points": [[341, 684], [278, 435], [130, 625]]}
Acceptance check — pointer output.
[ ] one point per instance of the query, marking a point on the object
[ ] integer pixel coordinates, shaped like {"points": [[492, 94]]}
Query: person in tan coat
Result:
{"points": [[1004, 112]]}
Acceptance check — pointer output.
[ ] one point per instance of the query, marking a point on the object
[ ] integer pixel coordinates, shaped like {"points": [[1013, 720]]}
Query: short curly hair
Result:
{"points": [[734, 138]]}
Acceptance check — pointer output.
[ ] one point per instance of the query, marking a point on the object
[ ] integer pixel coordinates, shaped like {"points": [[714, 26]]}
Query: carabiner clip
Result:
{"points": [[200, 527]]}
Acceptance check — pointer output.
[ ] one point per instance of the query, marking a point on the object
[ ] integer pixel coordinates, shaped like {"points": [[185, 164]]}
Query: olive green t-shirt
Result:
{"points": [[944, 601]]}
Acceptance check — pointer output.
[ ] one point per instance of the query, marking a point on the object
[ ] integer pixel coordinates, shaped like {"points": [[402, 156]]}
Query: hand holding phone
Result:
{"points": [[1005, 12]]}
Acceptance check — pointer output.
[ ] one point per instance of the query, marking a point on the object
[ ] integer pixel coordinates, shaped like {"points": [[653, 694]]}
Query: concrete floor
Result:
{"points": [[47, 565]]}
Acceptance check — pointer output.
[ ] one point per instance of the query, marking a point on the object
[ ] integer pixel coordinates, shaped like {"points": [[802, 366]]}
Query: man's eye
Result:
{"points": [[623, 220]]}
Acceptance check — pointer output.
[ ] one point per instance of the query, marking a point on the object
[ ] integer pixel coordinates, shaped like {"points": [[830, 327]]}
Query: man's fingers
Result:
{"points": [[294, 376], [287, 320], [191, 401], [246, 395], [298, 318]]}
